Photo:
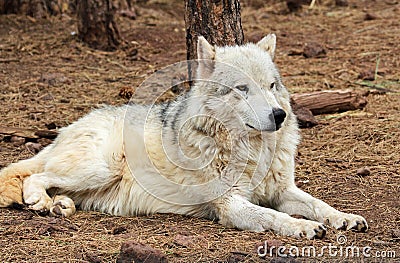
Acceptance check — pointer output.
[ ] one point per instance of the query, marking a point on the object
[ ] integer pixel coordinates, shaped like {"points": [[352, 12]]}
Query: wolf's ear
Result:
{"points": [[204, 49], [268, 44], [206, 56]]}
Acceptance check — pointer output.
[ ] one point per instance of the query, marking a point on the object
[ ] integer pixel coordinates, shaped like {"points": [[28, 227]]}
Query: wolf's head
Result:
{"points": [[241, 84]]}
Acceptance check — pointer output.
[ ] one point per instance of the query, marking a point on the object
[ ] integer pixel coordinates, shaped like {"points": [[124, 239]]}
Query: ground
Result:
{"points": [[48, 76]]}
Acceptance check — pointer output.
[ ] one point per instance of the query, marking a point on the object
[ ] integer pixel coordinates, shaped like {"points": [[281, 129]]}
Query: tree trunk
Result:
{"points": [[34, 8], [96, 25], [218, 21]]}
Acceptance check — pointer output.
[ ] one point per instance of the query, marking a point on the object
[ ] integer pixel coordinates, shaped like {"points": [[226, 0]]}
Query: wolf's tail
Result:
{"points": [[12, 176]]}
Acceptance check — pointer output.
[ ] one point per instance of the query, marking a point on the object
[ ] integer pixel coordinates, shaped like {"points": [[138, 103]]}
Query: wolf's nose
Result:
{"points": [[279, 117]]}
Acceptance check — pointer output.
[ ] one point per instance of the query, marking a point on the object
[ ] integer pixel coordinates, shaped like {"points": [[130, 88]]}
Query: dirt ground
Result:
{"points": [[47, 76]]}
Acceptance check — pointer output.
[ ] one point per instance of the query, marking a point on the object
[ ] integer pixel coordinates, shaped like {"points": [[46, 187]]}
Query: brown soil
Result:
{"points": [[47, 75]]}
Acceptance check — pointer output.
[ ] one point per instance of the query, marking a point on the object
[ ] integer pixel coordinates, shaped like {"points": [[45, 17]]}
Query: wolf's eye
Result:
{"points": [[272, 85], [242, 88]]}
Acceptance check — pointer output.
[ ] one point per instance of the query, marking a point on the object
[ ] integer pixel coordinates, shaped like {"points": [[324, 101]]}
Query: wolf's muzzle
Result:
{"points": [[278, 116]]}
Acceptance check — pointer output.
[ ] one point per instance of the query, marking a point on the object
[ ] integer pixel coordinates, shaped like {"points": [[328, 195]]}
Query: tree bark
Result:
{"points": [[322, 102], [218, 21], [96, 25], [34, 8]]}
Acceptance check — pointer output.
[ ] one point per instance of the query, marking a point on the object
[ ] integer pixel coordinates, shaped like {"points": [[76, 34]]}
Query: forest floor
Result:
{"points": [[48, 77]]}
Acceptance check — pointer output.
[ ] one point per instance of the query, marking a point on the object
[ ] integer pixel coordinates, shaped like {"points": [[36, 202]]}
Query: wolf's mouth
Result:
{"points": [[248, 125], [266, 130]]}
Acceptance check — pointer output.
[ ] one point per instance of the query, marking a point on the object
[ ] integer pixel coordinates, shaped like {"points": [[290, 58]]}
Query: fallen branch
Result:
{"points": [[322, 102], [28, 133]]}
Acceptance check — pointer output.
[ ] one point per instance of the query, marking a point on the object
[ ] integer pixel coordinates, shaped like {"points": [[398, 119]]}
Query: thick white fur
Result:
{"points": [[111, 159]]}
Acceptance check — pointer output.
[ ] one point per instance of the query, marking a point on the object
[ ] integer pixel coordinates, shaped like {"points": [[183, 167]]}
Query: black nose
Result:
{"points": [[279, 116]]}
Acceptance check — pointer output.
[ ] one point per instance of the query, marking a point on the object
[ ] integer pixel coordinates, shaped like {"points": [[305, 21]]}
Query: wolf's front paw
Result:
{"points": [[305, 228], [39, 202], [347, 222]]}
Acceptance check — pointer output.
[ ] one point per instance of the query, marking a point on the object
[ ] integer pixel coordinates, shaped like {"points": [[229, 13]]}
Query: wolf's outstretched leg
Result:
{"points": [[236, 211], [295, 201], [35, 195]]}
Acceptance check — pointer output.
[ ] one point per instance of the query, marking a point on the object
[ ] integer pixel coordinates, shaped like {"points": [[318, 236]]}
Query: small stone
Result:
{"points": [[17, 141], [369, 16], [132, 251], [364, 171], [118, 230], [51, 126], [341, 3], [93, 258], [294, 5], [396, 233], [53, 79], [236, 257], [47, 97], [314, 50], [367, 75], [65, 101], [34, 147], [183, 240]]}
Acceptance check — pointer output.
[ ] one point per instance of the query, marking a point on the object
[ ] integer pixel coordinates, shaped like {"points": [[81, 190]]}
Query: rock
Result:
{"points": [[367, 74], [34, 147], [183, 240], [369, 16], [295, 5], [132, 251], [304, 116], [17, 141], [237, 256], [341, 3], [118, 230], [65, 101], [47, 97], [396, 233], [364, 171], [51, 126], [53, 79], [92, 258], [314, 50]]}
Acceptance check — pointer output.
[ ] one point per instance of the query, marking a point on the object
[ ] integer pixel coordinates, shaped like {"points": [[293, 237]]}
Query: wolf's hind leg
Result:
{"points": [[62, 206], [36, 197], [295, 201]]}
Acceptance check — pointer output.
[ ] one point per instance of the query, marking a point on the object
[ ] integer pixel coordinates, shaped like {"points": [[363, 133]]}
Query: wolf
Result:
{"points": [[224, 150]]}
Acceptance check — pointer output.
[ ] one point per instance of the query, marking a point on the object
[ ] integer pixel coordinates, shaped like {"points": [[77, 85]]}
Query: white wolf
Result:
{"points": [[224, 150]]}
